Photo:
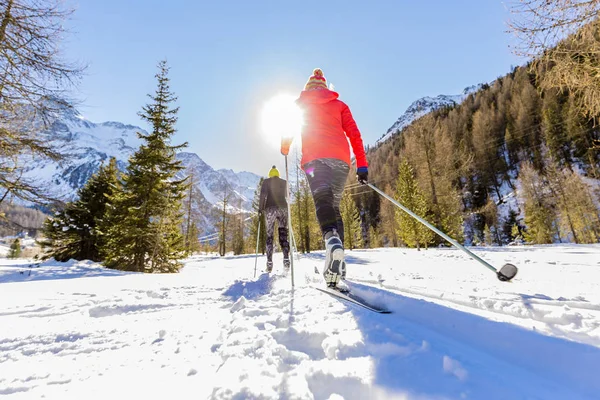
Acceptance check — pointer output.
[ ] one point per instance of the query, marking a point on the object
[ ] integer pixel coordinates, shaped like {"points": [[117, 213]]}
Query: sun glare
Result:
{"points": [[281, 118]]}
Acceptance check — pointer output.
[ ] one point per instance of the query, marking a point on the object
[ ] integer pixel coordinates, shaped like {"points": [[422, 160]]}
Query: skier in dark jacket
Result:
{"points": [[273, 205], [328, 126]]}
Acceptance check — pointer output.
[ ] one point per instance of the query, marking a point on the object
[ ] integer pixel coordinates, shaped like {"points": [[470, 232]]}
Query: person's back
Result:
{"points": [[273, 204], [274, 190], [328, 127]]}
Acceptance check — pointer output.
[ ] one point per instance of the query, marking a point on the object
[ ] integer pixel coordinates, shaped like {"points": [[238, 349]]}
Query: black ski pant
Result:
{"points": [[327, 178], [279, 215]]}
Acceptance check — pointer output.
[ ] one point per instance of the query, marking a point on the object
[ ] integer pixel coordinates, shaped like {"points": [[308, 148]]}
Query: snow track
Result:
{"points": [[214, 332]]}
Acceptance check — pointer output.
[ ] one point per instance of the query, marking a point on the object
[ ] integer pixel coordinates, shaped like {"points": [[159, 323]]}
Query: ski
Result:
{"points": [[354, 299]]}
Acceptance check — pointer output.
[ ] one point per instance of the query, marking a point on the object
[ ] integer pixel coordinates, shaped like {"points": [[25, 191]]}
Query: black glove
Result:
{"points": [[362, 174]]}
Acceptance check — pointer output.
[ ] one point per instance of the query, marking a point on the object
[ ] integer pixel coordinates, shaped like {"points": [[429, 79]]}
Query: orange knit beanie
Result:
{"points": [[316, 81]]}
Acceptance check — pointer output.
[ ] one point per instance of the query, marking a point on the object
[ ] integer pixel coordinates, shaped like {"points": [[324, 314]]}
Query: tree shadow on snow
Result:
{"points": [[56, 270], [426, 349]]}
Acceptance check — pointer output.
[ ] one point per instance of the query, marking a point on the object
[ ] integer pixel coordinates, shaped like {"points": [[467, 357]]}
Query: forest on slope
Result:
{"points": [[468, 163]]}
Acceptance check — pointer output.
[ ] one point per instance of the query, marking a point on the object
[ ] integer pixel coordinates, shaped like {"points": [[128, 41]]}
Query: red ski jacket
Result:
{"points": [[328, 125]]}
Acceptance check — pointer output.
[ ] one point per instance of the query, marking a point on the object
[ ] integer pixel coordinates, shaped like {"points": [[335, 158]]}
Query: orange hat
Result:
{"points": [[316, 81]]}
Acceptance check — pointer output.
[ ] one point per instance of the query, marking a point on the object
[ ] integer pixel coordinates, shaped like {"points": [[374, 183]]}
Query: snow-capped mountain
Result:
{"points": [[87, 144], [424, 106], [215, 185]]}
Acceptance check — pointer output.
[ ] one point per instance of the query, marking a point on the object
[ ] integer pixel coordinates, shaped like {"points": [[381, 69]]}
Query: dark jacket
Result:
{"points": [[272, 193]]}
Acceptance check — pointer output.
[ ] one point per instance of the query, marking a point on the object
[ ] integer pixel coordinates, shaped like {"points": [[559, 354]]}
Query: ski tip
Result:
{"points": [[507, 272]]}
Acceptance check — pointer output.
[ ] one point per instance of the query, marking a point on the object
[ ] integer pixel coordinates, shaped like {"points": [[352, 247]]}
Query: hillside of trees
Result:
{"points": [[468, 162]]}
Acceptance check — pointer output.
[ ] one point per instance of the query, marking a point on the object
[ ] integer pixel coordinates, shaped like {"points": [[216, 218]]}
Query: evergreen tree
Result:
{"points": [[238, 240], [389, 224], [146, 235], [375, 239], [488, 236], [428, 147], [304, 219], [540, 215], [351, 219], [77, 231], [508, 225], [15, 249], [554, 129], [516, 234], [412, 232]]}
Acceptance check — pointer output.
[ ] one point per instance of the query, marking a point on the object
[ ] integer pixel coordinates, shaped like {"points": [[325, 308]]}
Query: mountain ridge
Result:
{"points": [[424, 106], [88, 144]]}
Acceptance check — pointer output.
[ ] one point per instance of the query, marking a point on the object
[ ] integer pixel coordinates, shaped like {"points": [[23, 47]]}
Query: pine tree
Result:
{"points": [[375, 239], [304, 218], [516, 234], [428, 147], [238, 239], [488, 236], [351, 219], [412, 232], [146, 235], [554, 129], [312, 236], [15, 249], [540, 215], [77, 231], [508, 226], [389, 224]]}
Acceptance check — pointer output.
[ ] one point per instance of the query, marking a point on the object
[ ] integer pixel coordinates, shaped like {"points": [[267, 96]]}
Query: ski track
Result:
{"points": [[215, 332]]}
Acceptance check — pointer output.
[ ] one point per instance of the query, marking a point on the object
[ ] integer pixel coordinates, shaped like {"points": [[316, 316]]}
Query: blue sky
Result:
{"points": [[228, 58]]}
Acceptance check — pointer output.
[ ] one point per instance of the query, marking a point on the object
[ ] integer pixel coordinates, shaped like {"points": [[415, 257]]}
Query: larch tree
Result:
{"points": [[34, 79], [410, 231], [540, 214], [351, 220]]}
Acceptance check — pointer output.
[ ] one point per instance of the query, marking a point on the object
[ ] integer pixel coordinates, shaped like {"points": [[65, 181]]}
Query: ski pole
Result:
{"points": [[257, 240], [287, 179], [506, 273]]}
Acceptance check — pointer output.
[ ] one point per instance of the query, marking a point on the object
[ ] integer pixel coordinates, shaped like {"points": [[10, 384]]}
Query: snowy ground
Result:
{"points": [[78, 331]]}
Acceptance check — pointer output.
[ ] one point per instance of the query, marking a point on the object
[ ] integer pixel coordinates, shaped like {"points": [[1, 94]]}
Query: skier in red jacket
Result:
{"points": [[328, 124]]}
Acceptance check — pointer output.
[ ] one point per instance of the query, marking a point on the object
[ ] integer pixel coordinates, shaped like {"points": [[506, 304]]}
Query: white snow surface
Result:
{"points": [[79, 331]]}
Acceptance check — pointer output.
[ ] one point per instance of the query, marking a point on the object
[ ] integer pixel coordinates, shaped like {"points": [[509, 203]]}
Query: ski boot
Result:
{"points": [[269, 266], [286, 263], [334, 258]]}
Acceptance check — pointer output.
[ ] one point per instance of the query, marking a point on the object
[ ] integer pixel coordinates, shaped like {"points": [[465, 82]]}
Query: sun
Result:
{"points": [[281, 118]]}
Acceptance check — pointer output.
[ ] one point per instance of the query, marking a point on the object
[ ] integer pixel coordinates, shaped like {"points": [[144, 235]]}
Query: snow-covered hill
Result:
{"points": [[79, 331], [88, 144], [424, 106]]}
